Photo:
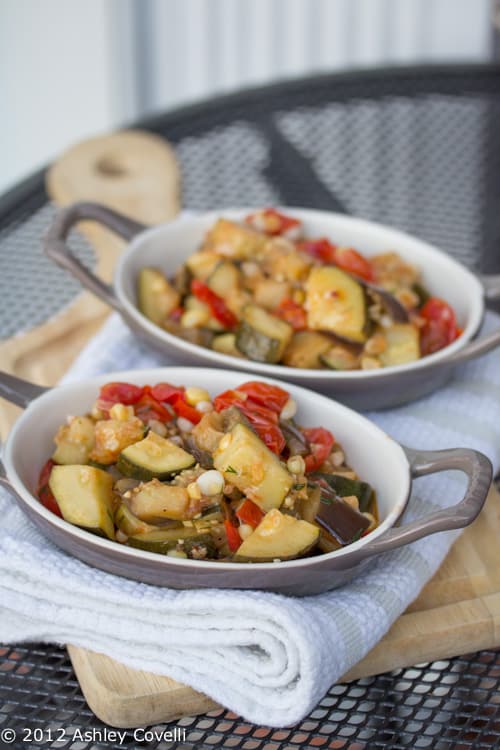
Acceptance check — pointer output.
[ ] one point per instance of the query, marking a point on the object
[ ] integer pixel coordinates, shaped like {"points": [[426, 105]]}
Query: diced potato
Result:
{"points": [[155, 500], [74, 441], [114, 435], [403, 345], [202, 264], [234, 240], [270, 293], [281, 260]]}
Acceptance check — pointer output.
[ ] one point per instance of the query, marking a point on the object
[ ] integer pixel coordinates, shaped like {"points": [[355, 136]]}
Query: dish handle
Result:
{"points": [[18, 391], [56, 248], [479, 471]]}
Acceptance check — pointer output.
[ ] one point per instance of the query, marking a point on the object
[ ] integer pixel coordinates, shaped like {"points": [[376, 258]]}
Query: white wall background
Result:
{"points": [[73, 68]]}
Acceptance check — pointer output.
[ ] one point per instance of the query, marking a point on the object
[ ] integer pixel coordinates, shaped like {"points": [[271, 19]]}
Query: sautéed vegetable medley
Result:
{"points": [[263, 291], [171, 470]]}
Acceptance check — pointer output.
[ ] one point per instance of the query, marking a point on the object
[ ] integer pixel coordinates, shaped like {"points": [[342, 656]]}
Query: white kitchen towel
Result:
{"points": [[267, 657]]}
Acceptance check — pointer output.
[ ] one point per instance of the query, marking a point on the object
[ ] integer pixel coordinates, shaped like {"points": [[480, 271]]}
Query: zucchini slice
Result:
{"points": [[188, 540], [130, 524], [339, 358], [261, 336], [153, 457], [403, 345], [278, 537], [202, 264], [226, 344], [336, 302], [155, 500], [85, 497], [75, 441], [305, 349], [269, 293], [224, 278], [250, 466], [156, 297]]}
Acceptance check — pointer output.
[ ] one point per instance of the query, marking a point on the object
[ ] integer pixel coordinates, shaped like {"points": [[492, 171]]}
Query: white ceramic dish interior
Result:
{"points": [[369, 450], [168, 246]]}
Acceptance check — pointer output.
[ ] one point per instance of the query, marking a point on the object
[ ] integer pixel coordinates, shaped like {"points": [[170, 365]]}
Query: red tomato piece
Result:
{"points": [[272, 222], [229, 398], [250, 513], [321, 442], [269, 433], [440, 328], [353, 262], [176, 314], [183, 409], [270, 396], [48, 500], [321, 249], [166, 393], [233, 536], [217, 306], [44, 492], [292, 313], [345, 258], [45, 473], [121, 393], [264, 420], [149, 408]]}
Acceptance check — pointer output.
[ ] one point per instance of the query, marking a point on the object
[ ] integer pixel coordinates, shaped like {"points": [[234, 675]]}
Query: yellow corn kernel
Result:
{"points": [[296, 465], [196, 395], [245, 530], [194, 318], [194, 491], [121, 412], [299, 296]]}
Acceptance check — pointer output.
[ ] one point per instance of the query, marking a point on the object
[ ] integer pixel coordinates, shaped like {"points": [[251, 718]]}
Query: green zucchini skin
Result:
{"points": [[256, 345], [162, 542], [165, 461], [224, 278], [261, 336], [156, 296], [84, 495], [305, 349], [339, 358]]}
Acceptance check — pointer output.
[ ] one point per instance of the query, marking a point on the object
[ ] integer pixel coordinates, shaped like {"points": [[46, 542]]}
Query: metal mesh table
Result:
{"points": [[416, 148]]}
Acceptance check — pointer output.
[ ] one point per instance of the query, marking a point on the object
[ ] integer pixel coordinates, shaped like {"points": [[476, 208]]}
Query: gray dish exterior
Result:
{"points": [[393, 389], [379, 389], [301, 577]]}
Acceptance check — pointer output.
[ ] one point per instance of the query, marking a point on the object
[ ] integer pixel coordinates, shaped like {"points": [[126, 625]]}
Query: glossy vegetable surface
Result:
{"points": [[172, 470], [260, 289]]}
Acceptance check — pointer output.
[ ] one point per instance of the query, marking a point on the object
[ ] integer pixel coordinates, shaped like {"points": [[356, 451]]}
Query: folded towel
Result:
{"points": [[269, 658]]}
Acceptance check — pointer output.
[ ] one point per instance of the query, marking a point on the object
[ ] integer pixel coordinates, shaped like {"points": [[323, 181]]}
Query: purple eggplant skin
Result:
{"points": [[339, 518]]}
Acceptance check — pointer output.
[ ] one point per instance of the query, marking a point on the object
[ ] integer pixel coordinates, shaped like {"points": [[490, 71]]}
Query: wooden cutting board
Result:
{"points": [[457, 612], [131, 171]]}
